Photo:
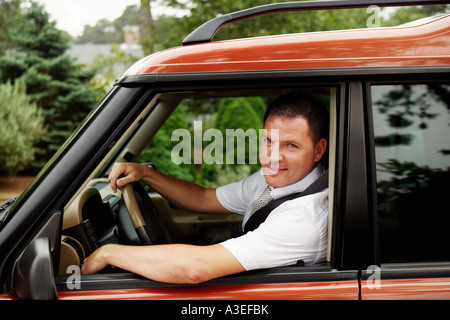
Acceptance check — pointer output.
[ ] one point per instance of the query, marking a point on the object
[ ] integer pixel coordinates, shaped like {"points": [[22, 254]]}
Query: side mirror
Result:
{"points": [[33, 277]]}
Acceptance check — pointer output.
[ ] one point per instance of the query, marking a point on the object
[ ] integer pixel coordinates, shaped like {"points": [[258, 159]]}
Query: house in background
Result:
{"points": [[132, 38], [85, 53]]}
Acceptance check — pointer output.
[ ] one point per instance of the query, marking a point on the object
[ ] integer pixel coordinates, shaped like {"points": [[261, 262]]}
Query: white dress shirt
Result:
{"points": [[295, 230]]}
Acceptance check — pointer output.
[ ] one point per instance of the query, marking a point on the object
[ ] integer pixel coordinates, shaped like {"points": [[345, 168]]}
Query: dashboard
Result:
{"points": [[89, 222]]}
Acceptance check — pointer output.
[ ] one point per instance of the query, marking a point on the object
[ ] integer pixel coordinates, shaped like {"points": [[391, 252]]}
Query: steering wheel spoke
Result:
{"points": [[136, 200]]}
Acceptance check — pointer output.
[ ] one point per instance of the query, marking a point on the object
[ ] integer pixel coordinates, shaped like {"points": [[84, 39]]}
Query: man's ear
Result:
{"points": [[321, 146]]}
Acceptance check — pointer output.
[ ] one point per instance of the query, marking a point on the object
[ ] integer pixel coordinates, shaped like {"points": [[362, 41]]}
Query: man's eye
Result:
{"points": [[291, 145]]}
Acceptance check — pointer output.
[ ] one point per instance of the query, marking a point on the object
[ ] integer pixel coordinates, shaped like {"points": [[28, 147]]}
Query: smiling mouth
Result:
{"points": [[274, 170]]}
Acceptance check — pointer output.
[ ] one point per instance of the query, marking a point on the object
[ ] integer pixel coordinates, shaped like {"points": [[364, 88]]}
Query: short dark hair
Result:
{"points": [[297, 103]]}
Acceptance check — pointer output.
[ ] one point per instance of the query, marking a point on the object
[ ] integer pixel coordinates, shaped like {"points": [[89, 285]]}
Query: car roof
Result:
{"points": [[423, 44]]}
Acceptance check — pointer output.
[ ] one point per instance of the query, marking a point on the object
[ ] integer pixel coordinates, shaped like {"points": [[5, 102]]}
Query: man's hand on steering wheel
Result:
{"points": [[125, 173]]}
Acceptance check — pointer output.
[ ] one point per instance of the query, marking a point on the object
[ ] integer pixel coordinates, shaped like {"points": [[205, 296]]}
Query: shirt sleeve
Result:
{"points": [[236, 196], [294, 231]]}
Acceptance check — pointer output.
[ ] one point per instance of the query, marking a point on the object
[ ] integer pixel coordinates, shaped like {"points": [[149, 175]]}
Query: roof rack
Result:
{"points": [[206, 31]]}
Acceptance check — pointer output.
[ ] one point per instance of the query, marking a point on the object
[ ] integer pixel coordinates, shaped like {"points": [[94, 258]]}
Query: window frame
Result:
{"points": [[275, 275]]}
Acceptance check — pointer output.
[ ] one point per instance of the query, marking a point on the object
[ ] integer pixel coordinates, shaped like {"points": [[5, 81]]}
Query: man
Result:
{"points": [[296, 230]]}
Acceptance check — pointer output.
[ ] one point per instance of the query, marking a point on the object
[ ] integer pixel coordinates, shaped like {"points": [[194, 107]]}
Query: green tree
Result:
{"points": [[146, 26], [405, 15], [9, 11], [22, 124], [243, 117], [159, 152], [53, 80]]}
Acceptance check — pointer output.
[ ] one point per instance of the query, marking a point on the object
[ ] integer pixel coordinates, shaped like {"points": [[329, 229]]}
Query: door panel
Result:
{"points": [[286, 283], [407, 289], [407, 281], [328, 290]]}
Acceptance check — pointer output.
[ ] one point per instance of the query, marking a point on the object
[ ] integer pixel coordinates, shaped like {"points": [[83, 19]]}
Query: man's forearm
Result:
{"points": [[183, 194], [175, 263]]}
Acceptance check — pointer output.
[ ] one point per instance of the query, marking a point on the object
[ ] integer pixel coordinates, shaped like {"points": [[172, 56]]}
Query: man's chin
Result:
{"points": [[274, 178]]}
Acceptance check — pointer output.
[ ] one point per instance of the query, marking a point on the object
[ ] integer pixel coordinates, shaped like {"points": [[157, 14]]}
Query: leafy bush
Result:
{"points": [[22, 124]]}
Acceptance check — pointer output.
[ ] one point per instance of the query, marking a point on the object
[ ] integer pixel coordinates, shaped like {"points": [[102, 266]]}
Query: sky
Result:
{"points": [[73, 15]]}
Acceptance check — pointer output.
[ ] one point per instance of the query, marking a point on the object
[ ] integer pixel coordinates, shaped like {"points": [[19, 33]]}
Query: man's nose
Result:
{"points": [[274, 154]]}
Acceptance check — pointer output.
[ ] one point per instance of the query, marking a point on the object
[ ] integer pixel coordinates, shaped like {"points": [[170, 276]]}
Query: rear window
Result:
{"points": [[412, 149]]}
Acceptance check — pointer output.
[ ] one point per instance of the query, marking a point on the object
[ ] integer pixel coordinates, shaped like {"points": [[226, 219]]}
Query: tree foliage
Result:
{"points": [[243, 117], [9, 11], [405, 15], [53, 80], [22, 125], [159, 152], [146, 26]]}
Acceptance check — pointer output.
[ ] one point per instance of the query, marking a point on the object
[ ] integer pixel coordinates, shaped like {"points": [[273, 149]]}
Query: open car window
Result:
{"points": [[207, 137]]}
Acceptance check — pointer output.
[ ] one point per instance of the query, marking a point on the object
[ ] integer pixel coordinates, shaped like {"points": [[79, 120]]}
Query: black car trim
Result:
{"points": [[333, 74], [292, 274], [415, 270], [337, 241], [356, 246], [371, 178]]}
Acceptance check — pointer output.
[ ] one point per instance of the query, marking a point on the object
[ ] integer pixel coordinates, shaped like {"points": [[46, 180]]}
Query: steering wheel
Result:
{"points": [[149, 227]]}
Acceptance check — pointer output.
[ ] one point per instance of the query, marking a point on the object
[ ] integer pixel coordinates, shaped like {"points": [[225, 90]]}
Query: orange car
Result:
{"points": [[388, 93]]}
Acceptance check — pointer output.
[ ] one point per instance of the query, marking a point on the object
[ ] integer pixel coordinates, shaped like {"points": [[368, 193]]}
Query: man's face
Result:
{"points": [[287, 152]]}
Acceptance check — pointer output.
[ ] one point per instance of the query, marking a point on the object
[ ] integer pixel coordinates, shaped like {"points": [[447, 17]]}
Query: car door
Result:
{"points": [[287, 283], [293, 282], [106, 136]]}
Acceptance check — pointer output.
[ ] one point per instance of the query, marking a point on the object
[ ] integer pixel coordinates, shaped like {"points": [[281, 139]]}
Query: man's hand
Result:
{"points": [[96, 261], [130, 171]]}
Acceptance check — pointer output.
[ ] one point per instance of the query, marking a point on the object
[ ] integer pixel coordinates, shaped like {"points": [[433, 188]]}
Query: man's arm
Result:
{"points": [[182, 194], [173, 263]]}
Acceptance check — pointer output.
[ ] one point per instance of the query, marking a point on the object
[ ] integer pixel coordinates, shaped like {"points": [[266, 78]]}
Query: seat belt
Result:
{"points": [[260, 216]]}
